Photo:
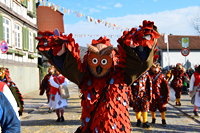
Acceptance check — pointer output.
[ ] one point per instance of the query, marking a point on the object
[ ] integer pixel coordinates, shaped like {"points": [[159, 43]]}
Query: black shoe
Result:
{"points": [[138, 123], [178, 104], [164, 122], [195, 113], [58, 120], [50, 110], [62, 119], [153, 121], [146, 125]]}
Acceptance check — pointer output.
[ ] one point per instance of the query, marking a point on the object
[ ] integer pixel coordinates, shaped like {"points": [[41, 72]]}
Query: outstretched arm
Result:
{"points": [[63, 53], [138, 46]]}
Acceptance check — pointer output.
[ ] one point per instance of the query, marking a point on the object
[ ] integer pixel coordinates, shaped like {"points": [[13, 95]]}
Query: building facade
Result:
{"points": [[174, 55], [48, 19], [18, 27]]}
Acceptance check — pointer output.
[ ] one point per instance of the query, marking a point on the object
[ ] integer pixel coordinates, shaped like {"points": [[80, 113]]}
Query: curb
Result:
{"points": [[189, 116]]}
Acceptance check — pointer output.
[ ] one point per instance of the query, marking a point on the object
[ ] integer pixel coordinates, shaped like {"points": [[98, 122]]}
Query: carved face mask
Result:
{"points": [[2, 73], [155, 68], [99, 59], [179, 67]]}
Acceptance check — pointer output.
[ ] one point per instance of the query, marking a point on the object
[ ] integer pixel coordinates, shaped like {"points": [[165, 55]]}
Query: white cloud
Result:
{"points": [[94, 10], [177, 22], [90, 28], [102, 7], [118, 5]]}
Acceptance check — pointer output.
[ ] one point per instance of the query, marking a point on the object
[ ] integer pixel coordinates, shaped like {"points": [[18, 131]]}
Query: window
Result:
{"points": [[31, 42], [30, 5], [6, 2], [17, 36], [7, 30]]}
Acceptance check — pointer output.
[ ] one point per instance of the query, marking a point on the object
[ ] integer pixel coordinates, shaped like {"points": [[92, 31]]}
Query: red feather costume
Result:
{"points": [[177, 83], [104, 99], [14, 89]]}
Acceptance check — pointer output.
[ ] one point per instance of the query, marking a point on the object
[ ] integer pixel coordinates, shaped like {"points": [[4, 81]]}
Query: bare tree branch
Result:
{"points": [[196, 24]]}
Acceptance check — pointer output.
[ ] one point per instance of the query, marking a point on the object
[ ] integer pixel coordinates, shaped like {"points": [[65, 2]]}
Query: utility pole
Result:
{"points": [[167, 42]]}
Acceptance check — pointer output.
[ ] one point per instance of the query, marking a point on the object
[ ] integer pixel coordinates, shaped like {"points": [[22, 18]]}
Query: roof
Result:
{"points": [[175, 42]]}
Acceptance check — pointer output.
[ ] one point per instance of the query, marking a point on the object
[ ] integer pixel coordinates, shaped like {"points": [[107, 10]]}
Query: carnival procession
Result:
{"points": [[99, 66]]}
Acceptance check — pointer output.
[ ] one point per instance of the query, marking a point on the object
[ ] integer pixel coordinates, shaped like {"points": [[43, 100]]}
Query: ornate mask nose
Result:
{"points": [[99, 69]]}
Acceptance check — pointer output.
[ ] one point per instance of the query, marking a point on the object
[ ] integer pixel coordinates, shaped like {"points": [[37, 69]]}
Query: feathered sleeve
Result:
{"points": [[69, 63], [137, 50], [165, 89]]}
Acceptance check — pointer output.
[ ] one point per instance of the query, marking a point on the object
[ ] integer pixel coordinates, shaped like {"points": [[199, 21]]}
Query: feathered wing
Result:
{"points": [[69, 63], [137, 50]]}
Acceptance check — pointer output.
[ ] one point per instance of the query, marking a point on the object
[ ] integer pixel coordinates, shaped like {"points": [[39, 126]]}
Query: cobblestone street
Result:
{"points": [[36, 118]]}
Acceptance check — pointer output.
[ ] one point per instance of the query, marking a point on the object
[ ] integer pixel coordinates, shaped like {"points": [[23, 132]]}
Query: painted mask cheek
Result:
{"points": [[93, 60], [106, 62]]}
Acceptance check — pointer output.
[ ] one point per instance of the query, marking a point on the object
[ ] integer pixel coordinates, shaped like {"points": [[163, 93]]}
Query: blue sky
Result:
{"points": [[171, 16], [103, 9]]}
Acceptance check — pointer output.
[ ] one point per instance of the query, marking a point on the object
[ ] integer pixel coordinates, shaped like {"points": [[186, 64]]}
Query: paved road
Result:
{"points": [[37, 119]]}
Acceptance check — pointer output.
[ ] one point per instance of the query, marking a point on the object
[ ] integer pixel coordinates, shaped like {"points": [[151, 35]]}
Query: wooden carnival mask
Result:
{"points": [[2, 73], [99, 59], [179, 67], [155, 68]]}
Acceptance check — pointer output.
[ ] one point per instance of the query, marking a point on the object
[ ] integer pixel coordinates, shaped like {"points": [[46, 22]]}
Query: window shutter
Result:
{"points": [[1, 27], [24, 3], [35, 45], [24, 38], [27, 39], [34, 9]]}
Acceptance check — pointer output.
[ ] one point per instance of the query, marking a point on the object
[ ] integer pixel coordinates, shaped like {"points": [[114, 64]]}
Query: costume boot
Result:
{"points": [[153, 115], [62, 119], [178, 102], [138, 116], [195, 113], [163, 118], [145, 122]]}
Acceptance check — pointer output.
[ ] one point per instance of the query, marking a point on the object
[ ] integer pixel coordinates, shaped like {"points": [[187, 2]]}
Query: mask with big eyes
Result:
{"points": [[2, 74], [155, 68], [179, 67], [99, 62]]}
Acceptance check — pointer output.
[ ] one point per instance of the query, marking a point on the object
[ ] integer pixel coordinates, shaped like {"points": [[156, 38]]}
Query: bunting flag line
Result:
{"points": [[81, 15], [92, 35]]}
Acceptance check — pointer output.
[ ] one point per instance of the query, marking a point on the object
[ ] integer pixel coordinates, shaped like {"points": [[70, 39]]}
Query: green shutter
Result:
{"points": [[24, 3], [35, 45], [27, 39], [1, 27], [24, 38], [34, 9]]}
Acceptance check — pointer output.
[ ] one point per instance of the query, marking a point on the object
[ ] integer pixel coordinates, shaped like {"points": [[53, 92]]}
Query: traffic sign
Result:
{"points": [[4, 47], [185, 51], [185, 42]]}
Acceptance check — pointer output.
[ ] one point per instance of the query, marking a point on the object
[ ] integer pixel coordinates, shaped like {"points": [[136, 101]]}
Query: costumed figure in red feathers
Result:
{"points": [[141, 94], [45, 86], [104, 75], [179, 77], [160, 95], [5, 77]]}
